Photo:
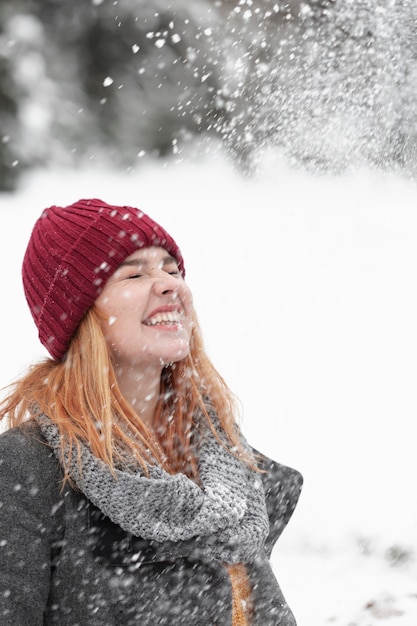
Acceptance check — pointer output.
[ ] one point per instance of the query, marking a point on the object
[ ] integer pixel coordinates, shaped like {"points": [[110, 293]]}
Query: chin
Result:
{"points": [[174, 357]]}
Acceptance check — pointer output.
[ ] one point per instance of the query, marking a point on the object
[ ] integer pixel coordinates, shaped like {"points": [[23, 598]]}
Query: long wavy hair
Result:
{"points": [[81, 396]]}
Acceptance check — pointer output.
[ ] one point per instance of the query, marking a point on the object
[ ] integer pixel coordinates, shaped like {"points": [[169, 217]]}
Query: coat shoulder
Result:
{"points": [[25, 455], [32, 523], [282, 486]]}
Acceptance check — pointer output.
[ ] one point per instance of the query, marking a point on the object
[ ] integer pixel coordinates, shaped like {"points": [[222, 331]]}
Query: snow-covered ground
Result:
{"points": [[306, 289]]}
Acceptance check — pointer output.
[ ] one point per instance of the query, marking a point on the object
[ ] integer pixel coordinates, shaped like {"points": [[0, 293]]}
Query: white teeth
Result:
{"points": [[160, 318]]}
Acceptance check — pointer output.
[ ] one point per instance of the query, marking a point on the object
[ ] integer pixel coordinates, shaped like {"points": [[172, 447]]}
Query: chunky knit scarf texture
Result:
{"points": [[226, 513]]}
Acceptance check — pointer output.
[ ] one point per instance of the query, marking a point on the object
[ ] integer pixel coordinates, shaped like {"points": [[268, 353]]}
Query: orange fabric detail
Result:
{"points": [[241, 595]]}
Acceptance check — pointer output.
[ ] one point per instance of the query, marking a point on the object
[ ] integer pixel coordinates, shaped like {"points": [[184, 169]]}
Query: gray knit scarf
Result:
{"points": [[227, 514]]}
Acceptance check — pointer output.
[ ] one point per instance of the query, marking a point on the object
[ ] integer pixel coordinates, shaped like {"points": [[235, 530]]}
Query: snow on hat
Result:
{"points": [[72, 252]]}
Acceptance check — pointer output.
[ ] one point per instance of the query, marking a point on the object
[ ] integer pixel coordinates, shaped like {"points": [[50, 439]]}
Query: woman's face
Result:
{"points": [[148, 310]]}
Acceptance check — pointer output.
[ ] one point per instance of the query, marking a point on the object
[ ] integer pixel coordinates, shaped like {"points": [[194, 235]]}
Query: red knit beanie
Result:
{"points": [[71, 254]]}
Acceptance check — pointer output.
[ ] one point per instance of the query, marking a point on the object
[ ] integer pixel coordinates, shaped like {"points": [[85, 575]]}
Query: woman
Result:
{"points": [[128, 494]]}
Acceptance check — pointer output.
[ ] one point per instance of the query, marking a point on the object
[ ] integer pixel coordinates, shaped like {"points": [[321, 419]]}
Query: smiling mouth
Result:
{"points": [[165, 319]]}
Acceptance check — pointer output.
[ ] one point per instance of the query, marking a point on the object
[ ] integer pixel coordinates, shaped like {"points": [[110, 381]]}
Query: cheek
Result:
{"points": [[118, 305], [117, 321], [122, 338], [111, 331], [186, 298]]}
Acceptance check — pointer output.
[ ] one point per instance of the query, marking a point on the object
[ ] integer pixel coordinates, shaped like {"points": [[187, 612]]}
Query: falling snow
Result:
{"points": [[303, 272]]}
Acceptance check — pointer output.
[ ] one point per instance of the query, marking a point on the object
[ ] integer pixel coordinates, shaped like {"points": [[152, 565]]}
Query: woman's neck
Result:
{"points": [[141, 389]]}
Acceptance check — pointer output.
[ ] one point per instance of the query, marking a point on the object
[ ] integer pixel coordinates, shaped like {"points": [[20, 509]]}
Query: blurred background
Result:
{"points": [[332, 83], [276, 141]]}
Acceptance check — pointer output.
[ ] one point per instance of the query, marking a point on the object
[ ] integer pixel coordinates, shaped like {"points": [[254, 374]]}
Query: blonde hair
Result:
{"points": [[81, 396]]}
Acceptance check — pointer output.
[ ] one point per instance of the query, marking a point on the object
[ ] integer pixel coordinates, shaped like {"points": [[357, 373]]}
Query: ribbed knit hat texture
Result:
{"points": [[72, 252]]}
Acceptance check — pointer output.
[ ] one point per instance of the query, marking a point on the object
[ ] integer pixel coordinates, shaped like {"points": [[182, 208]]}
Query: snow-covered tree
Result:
{"points": [[330, 83]]}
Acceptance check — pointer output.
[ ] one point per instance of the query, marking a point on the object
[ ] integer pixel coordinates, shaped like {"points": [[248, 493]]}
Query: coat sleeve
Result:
{"points": [[29, 508], [282, 487]]}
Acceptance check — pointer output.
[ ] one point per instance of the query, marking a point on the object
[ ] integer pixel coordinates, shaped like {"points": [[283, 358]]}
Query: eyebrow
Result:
{"points": [[166, 260]]}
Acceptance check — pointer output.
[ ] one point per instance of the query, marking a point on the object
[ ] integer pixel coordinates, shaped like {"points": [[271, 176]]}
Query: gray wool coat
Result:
{"points": [[63, 562]]}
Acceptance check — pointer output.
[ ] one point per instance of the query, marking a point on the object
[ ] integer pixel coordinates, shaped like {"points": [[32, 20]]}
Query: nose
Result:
{"points": [[166, 284]]}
